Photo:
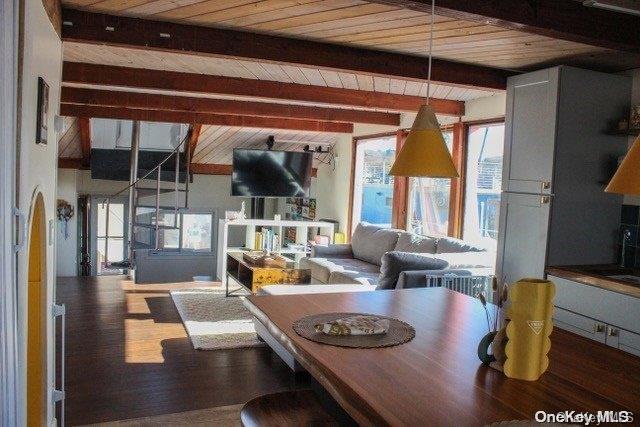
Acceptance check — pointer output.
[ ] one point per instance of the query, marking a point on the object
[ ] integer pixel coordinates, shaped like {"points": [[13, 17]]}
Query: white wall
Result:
{"points": [[66, 246], [42, 56], [488, 107]]}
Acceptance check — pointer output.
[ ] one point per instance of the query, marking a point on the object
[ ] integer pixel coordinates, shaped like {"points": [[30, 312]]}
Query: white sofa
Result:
{"points": [[393, 259]]}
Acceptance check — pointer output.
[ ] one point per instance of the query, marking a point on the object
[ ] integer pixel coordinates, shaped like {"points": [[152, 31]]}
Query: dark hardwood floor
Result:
{"points": [[128, 356]]}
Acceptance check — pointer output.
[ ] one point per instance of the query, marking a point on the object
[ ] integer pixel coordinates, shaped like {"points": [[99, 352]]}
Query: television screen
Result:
{"points": [[262, 173]]}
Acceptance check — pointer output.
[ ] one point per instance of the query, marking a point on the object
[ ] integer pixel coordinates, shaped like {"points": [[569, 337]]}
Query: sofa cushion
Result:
{"points": [[349, 276], [370, 242], [469, 259], [448, 245], [409, 242], [321, 268], [393, 263]]}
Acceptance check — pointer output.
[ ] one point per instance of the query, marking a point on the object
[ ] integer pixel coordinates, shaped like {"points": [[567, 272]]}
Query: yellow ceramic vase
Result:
{"points": [[529, 327]]}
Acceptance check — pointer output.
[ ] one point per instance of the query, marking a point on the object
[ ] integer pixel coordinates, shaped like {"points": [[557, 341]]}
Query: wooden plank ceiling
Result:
{"points": [[366, 25], [372, 26], [260, 70]]}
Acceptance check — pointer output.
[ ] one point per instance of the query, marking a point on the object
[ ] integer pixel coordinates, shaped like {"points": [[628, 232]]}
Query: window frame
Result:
{"points": [[400, 184], [400, 208], [467, 126]]}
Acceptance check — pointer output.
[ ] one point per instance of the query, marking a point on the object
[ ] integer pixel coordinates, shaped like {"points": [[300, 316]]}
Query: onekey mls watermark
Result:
{"points": [[585, 418]]}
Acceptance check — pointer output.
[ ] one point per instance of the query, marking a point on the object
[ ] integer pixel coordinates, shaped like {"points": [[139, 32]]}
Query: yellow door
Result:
{"points": [[36, 318]]}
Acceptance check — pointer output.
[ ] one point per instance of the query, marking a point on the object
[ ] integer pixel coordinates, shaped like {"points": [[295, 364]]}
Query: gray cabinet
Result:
{"points": [[525, 220], [530, 132], [623, 340], [598, 314], [557, 151]]}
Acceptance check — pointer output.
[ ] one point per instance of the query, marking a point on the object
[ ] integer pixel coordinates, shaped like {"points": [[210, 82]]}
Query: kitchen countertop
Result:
{"points": [[596, 275]]}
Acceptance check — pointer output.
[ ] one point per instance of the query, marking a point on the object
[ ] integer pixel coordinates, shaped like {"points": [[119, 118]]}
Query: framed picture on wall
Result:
{"points": [[43, 111]]}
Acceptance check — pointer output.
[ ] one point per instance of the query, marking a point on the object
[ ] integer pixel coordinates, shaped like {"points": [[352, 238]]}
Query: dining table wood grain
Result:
{"points": [[437, 378]]}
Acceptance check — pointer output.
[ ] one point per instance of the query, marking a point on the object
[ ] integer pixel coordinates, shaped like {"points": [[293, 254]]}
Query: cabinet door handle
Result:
{"points": [[545, 185], [613, 332], [598, 328], [545, 200]]}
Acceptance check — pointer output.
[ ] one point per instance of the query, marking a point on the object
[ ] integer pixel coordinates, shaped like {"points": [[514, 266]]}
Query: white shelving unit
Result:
{"points": [[302, 231]]}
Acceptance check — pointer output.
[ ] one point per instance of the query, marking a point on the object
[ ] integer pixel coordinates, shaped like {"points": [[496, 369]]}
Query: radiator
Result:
{"points": [[468, 285]]}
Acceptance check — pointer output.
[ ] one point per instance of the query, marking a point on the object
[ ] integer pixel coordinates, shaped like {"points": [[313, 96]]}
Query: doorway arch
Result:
{"points": [[36, 316]]}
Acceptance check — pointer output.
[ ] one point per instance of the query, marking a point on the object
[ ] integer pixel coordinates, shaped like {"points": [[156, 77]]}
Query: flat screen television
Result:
{"points": [[270, 173]]}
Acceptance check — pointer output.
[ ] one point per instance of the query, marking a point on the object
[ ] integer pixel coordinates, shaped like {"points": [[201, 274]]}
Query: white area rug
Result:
{"points": [[213, 321], [223, 416]]}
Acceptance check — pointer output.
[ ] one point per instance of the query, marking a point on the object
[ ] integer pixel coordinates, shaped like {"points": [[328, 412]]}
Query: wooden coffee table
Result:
{"points": [[252, 277]]}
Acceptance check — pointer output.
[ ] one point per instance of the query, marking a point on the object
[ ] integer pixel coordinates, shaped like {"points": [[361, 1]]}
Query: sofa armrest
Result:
{"points": [[332, 251], [395, 262]]}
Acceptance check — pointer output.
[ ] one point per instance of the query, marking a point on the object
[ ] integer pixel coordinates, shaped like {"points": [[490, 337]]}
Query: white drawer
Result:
{"points": [[609, 307], [624, 340], [580, 325]]}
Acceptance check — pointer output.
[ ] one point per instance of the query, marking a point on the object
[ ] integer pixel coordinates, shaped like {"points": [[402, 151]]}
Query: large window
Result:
{"points": [[188, 231], [196, 232], [372, 184], [483, 180], [430, 201], [465, 207]]}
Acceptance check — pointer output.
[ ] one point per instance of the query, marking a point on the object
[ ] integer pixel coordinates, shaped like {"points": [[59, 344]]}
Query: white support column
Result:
{"points": [[10, 413]]}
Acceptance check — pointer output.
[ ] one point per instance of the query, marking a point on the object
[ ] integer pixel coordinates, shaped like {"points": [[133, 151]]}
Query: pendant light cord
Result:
{"points": [[433, 16]]}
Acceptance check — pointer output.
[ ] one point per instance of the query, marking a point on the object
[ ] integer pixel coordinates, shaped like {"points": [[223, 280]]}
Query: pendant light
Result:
{"points": [[424, 153], [627, 178]]}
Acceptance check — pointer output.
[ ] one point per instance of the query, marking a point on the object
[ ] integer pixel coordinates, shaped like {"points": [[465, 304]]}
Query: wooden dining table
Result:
{"points": [[437, 379]]}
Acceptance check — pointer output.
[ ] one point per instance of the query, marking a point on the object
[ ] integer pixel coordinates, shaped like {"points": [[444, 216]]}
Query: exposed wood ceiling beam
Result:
{"points": [[559, 19], [211, 169], [84, 129], [106, 75], [86, 27], [68, 163], [152, 101], [220, 169], [77, 110]]}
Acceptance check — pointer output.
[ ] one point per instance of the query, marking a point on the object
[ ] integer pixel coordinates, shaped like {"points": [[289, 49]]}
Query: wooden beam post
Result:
{"points": [[106, 75], [400, 190], [98, 28], [84, 128], [456, 193], [194, 136]]}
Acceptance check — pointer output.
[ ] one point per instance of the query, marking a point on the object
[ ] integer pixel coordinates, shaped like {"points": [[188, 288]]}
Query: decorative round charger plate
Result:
{"points": [[399, 332]]}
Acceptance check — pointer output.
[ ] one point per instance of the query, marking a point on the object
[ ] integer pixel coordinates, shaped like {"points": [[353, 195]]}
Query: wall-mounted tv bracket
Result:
{"points": [[271, 140], [317, 150]]}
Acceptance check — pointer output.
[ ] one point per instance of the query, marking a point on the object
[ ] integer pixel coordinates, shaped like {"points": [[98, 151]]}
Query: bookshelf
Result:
{"points": [[282, 228]]}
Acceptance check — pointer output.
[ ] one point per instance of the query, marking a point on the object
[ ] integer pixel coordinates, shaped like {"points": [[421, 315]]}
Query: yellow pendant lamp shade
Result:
{"points": [[424, 153], [627, 177]]}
